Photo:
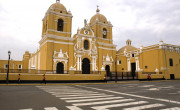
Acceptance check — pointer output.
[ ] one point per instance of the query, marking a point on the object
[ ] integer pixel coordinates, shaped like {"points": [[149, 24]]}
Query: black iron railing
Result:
{"points": [[42, 71]]}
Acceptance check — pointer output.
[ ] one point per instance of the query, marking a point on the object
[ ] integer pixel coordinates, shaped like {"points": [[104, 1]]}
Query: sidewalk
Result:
{"points": [[83, 83]]}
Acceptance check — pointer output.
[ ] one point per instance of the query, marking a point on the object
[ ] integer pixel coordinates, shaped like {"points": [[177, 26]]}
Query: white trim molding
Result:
{"points": [[106, 44], [56, 37], [58, 42], [106, 48], [59, 31]]}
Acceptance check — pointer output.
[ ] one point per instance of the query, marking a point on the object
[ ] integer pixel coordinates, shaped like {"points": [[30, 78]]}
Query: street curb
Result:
{"points": [[124, 82]]}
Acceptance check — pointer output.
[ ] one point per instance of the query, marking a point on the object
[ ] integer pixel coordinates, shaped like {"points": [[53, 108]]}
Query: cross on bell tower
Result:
{"points": [[97, 9]]}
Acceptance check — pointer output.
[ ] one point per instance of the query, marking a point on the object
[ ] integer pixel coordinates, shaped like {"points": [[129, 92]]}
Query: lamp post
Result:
{"points": [[116, 69], [7, 78]]}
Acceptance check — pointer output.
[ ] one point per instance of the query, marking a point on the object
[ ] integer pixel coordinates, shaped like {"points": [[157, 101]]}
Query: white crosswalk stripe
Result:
{"points": [[102, 102], [85, 100], [98, 101], [26, 109], [50, 108], [73, 108], [46, 108], [71, 93], [174, 108], [105, 107], [87, 97], [144, 107]]}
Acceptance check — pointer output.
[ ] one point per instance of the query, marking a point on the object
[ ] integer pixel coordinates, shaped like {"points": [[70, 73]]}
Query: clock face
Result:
{"points": [[86, 32], [104, 32]]}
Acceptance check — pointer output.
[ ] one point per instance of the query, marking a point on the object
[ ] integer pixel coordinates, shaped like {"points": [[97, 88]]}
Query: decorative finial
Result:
{"points": [[97, 9], [57, 0], [128, 42]]}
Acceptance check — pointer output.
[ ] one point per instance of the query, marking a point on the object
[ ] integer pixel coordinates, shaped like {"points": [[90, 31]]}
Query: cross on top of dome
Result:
{"points": [[57, 0], [97, 9]]}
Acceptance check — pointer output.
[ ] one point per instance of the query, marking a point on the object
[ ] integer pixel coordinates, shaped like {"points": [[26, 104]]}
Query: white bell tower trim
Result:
{"points": [[128, 64]]}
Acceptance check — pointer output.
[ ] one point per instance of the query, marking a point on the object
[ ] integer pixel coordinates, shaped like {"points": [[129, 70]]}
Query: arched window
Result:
{"points": [[60, 25], [86, 44], [104, 33]]}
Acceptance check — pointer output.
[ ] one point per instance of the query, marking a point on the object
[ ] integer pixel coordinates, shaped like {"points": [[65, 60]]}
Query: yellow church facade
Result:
{"points": [[91, 51], [60, 52], [160, 60]]}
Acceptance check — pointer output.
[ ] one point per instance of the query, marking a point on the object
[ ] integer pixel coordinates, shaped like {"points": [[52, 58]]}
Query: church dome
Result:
{"points": [[128, 47], [58, 6], [98, 17]]}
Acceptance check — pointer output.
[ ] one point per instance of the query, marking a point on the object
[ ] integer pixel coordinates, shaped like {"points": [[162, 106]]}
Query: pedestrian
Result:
{"points": [[19, 78], [148, 77], [44, 79]]}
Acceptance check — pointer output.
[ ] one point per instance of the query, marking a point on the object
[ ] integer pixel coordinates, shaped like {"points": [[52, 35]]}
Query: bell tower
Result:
{"points": [[101, 27], [57, 21], [56, 36]]}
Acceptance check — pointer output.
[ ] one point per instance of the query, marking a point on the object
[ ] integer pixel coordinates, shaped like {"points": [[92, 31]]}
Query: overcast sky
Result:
{"points": [[145, 22]]}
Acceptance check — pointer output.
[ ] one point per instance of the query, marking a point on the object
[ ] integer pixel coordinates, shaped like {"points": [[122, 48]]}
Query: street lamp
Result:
{"points": [[7, 79], [116, 69]]}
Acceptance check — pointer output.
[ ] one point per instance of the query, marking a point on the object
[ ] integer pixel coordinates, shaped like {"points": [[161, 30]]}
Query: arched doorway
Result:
{"points": [[85, 66], [60, 68], [107, 68]]}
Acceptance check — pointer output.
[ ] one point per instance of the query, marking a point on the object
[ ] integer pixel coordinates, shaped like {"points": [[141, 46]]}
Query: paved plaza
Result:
{"points": [[152, 95]]}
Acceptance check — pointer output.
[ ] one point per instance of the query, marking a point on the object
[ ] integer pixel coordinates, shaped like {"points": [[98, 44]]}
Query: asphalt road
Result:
{"points": [[162, 95]]}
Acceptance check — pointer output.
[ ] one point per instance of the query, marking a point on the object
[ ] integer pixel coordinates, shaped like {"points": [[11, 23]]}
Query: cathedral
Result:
{"points": [[91, 50]]}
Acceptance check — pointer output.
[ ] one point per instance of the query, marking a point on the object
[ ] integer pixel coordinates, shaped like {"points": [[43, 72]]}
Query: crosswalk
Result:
{"points": [[82, 98], [45, 108]]}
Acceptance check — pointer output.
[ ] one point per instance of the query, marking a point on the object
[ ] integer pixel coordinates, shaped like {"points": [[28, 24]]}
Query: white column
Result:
{"points": [[95, 63], [128, 64], [35, 61], [137, 63], [39, 62], [29, 63], [65, 67], [78, 63], [92, 64], [32, 62]]}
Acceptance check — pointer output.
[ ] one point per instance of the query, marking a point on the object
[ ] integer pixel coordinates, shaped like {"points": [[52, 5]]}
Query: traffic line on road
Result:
{"points": [[144, 97], [87, 97], [105, 107], [102, 102], [144, 107], [72, 93], [77, 95], [50, 108], [73, 108], [174, 108], [86, 100], [26, 109]]}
